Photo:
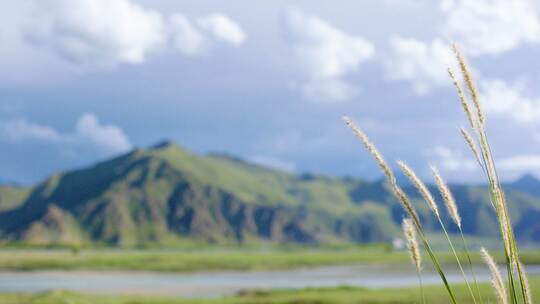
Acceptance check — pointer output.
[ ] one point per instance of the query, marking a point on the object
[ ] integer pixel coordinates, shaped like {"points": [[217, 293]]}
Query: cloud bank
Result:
{"points": [[479, 27], [325, 55], [508, 99], [423, 64], [88, 132], [109, 32], [490, 26]]}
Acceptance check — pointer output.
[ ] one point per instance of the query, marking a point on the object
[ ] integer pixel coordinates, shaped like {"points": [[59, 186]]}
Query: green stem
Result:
{"points": [[511, 280], [501, 214], [434, 260], [416, 220], [518, 265], [507, 250], [421, 287], [470, 265], [457, 259]]}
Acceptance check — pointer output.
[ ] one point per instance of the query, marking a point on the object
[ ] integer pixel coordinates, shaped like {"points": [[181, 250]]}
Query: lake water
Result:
{"points": [[215, 284]]}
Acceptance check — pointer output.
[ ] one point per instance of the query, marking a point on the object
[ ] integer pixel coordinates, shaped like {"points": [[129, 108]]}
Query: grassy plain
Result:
{"points": [[340, 295], [203, 259]]}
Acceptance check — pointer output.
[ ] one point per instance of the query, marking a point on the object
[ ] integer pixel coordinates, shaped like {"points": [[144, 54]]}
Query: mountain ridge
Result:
{"points": [[167, 195]]}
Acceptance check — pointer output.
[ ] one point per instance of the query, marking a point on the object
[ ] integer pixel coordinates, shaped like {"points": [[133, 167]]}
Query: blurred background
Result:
{"points": [[175, 136], [268, 82]]}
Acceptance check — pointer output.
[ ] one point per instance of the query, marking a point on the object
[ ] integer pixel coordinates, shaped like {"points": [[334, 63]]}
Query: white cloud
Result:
{"points": [[490, 26], [325, 51], [478, 27], [451, 160], [274, 163], [109, 138], [325, 54], [105, 33], [21, 130], [504, 99], [96, 31], [185, 37], [520, 163], [88, 131], [198, 36], [222, 28], [330, 89], [423, 64]]}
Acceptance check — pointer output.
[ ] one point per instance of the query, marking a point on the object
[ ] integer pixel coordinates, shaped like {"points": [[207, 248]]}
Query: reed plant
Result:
{"points": [[414, 251], [515, 287]]}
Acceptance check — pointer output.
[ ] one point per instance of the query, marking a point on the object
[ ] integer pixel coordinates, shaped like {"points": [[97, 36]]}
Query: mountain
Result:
{"points": [[12, 196], [526, 184], [167, 195]]}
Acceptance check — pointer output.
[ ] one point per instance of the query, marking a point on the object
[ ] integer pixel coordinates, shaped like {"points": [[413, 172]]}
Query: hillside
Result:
{"points": [[12, 196], [167, 195]]}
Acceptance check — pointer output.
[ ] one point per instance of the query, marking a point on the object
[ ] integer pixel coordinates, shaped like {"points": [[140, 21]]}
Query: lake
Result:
{"points": [[221, 283]]}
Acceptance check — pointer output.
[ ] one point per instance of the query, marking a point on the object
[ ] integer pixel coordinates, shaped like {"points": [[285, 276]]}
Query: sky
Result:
{"points": [[268, 81]]}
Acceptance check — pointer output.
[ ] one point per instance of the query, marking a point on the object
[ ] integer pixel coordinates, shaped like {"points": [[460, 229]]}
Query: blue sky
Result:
{"points": [[268, 81]]}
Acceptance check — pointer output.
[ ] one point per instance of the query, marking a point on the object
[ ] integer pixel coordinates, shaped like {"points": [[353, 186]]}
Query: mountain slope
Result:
{"points": [[526, 184], [12, 196], [167, 195]]}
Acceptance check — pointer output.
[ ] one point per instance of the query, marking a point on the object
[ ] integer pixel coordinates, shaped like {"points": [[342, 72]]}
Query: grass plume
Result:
{"points": [[517, 289], [422, 189], [472, 146], [462, 99], [412, 243], [496, 277], [371, 149], [473, 91], [447, 196], [414, 251], [404, 200]]}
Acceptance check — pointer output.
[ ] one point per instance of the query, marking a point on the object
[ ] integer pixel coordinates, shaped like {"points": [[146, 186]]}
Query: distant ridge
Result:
{"points": [[164, 144], [167, 195], [528, 183]]}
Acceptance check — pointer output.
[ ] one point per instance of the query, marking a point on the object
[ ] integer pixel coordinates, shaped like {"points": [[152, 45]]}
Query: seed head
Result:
{"points": [[420, 186], [412, 243], [447, 196], [496, 277]]}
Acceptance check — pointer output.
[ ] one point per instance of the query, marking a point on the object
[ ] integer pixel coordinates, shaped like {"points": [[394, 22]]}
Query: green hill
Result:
{"points": [[12, 196], [167, 195]]}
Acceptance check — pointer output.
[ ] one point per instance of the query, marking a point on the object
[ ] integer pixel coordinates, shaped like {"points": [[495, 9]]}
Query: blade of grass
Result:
{"points": [[471, 265], [421, 287], [457, 259]]}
